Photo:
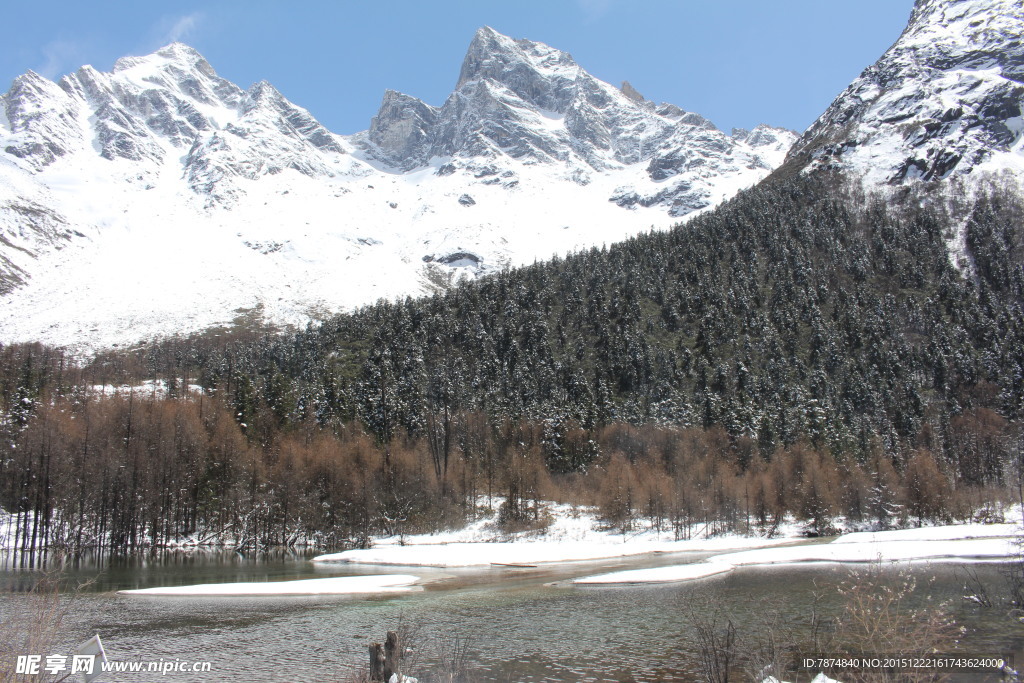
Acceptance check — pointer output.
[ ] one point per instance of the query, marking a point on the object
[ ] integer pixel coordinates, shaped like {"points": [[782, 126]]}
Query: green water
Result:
{"points": [[520, 624]]}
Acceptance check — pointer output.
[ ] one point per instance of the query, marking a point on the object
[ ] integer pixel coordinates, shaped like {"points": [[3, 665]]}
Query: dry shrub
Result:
{"points": [[618, 493], [927, 488], [717, 643], [880, 616], [761, 648], [450, 655], [34, 626]]}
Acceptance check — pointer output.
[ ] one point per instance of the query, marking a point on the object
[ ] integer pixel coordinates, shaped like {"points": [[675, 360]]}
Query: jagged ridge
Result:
{"points": [[530, 155], [944, 101]]}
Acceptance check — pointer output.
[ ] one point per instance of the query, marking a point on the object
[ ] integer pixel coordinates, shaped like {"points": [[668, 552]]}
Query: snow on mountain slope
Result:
{"points": [[162, 199], [944, 101], [521, 101]]}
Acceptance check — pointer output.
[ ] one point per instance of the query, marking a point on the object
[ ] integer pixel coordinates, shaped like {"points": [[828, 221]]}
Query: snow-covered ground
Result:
{"points": [[335, 585], [883, 549], [952, 532], [962, 543], [149, 387], [679, 572], [532, 552], [574, 535], [159, 199]]}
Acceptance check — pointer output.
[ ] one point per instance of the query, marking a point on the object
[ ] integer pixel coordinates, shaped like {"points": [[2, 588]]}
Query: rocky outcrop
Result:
{"points": [[945, 100], [525, 102], [530, 155], [401, 130], [42, 119]]}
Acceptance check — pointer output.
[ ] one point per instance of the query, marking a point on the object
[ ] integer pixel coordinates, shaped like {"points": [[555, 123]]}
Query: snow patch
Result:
{"points": [[682, 572], [968, 542], [338, 585], [574, 535]]}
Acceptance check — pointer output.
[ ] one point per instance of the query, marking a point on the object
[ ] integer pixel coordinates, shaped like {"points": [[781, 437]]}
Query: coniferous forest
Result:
{"points": [[801, 350]]}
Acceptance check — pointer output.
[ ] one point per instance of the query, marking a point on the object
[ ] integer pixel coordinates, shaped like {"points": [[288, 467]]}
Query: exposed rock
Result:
{"points": [[162, 147], [42, 120], [944, 100], [525, 101], [401, 128], [632, 93]]}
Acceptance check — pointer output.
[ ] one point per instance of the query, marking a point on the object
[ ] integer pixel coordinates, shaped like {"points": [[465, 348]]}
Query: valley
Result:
{"points": [[237, 347]]}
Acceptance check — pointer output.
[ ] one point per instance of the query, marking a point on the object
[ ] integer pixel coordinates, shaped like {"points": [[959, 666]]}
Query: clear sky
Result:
{"points": [[737, 62]]}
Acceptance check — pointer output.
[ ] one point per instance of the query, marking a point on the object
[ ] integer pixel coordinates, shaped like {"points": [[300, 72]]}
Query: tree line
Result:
{"points": [[810, 350]]}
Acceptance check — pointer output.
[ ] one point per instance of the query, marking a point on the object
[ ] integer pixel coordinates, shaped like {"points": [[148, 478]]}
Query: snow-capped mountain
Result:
{"points": [[944, 101], [524, 101], [160, 198]]}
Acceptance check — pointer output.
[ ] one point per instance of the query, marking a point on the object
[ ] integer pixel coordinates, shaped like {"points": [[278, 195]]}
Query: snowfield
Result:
{"points": [[531, 552], [881, 549], [337, 585], [955, 532], [573, 536], [963, 543], [681, 572], [160, 199]]}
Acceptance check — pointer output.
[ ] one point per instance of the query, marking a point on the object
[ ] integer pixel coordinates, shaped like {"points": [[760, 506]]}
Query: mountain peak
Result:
{"points": [[31, 75], [550, 158], [542, 77], [179, 51], [401, 130], [263, 90], [946, 99], [177, 56], [486, 33], [507, 60], [29, 80]]}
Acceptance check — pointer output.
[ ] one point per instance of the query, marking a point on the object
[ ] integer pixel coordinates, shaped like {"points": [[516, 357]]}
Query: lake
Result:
{"points": [[517, 624]]}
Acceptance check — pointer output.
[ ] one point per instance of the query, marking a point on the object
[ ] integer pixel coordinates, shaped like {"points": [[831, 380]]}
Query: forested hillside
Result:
{"points": [[801, 349], [795, 311]]}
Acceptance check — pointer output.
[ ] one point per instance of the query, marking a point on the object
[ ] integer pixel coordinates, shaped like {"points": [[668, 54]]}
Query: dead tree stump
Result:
{"points": [[392, 657], [386, 660], [377, 662]]}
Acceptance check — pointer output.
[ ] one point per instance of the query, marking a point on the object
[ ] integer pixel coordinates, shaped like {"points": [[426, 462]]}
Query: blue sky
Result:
{"points": [[737, 62]]}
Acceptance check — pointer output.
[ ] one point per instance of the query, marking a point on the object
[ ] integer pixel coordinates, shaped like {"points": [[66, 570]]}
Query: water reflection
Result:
{"points": [[109, 571]]}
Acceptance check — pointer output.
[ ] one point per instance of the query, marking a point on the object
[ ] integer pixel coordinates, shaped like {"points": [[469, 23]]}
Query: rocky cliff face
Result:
{"points": [[260, 207], [248, 203], [944, 101], [522, 101], [159, 108]]}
